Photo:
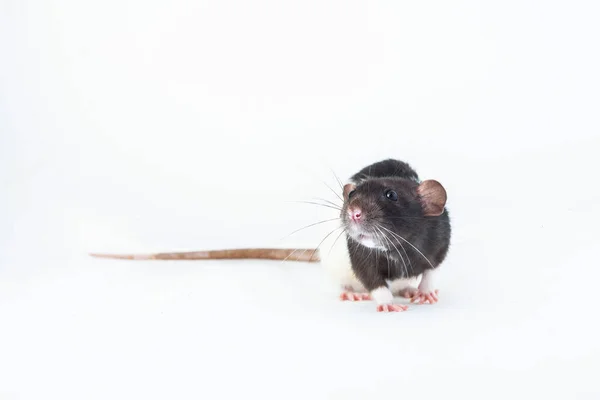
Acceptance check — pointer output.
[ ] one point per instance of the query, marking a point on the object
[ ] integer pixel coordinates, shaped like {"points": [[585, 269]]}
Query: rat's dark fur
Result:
{"points": [[393, 219]]}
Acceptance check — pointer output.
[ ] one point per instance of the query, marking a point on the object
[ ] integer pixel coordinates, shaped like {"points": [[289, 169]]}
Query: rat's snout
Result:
{"points": [[354, 213]]}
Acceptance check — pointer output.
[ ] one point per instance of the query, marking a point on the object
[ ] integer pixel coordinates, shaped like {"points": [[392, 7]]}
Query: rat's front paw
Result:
{"points": [[391, 308], [408, 292], [354, 296], [421, 297]]}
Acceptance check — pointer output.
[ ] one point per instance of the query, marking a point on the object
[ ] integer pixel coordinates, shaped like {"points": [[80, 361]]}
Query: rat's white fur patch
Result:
{"points": [[382, 295], [397, 285], [370, 243], [427, 284]]}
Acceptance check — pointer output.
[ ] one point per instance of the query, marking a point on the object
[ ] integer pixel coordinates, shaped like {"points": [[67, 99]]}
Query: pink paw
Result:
{"points": [[391, 308], [352, 296], [427, 297], [409, 292]]}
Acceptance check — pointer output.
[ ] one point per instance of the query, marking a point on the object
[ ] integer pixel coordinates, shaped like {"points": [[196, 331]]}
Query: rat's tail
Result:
{"points": [[304, 255]]}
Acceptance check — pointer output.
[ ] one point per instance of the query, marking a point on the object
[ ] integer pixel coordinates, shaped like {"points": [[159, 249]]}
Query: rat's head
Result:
{"points": [[387, 206]]}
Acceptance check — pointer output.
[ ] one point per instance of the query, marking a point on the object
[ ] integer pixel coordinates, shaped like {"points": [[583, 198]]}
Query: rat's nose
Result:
{"points": [[355, 214]]}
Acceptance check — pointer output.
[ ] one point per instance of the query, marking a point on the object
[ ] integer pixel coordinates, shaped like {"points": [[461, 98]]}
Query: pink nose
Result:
{"points": [[355, 214]]}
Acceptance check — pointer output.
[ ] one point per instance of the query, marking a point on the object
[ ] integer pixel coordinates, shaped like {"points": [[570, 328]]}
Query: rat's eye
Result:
{"points": [[390, 194], [351, 193]]}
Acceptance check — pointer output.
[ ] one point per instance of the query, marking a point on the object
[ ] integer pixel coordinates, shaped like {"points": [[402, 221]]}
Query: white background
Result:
{"points": [[132, 126]]}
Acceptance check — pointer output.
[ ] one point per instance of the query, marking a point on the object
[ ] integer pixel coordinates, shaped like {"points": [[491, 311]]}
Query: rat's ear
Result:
{"points": [[433, 197], [347, 189]]}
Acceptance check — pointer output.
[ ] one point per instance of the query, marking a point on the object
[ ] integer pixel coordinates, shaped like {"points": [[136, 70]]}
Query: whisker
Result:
{"points": [[387, 258], [317, 248], [419, 218], [364, 249], [308, 226], [334, 192], [407, 257], [379, 236], [338, 179], [377, 252], [289, 255], [328, 201], [335, 241], [398, 251], [419, 251], [318, 204]]}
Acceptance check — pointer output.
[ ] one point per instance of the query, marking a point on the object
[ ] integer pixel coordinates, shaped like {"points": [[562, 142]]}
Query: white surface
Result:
{"points": [[186, 125]]}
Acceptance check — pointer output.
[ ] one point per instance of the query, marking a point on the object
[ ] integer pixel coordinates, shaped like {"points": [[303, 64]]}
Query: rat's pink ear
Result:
{"points": [[433, 197], [347, 189]]}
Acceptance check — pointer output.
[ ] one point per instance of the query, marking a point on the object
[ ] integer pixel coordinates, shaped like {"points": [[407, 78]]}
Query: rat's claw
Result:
{"points": [[409, 292], [352, 296], [391, 308], [422, 298]]}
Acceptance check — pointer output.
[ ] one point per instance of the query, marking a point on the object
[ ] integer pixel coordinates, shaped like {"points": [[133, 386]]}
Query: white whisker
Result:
{"points": [[335, 241], [308, 226], [419, 251], [317, 248], [319, 204], [289, 255], [399, 254], [328, 202], [334, 192], [406, 254], [338, 179]]}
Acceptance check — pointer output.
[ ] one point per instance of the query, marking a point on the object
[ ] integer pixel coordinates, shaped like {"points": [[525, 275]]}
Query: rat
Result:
{"points": [[396, 229]]}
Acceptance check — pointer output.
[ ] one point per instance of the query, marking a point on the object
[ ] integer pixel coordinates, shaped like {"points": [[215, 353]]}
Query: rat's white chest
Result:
{"points": [[335, 259]]}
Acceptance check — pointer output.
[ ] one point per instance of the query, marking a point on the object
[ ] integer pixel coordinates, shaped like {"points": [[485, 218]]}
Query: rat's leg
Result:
{"points": [[350, 295], [404, 287], [383, 297], [352, 289], [427, 292], [343, 275], [380, 292]]}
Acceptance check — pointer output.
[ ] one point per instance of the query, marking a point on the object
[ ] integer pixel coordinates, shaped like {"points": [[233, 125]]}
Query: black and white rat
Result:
{"points": [[396, 229]]}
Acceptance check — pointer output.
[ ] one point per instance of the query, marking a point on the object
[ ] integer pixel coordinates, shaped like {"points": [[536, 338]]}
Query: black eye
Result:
{"points": [[390, 194], [351, 193]]}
